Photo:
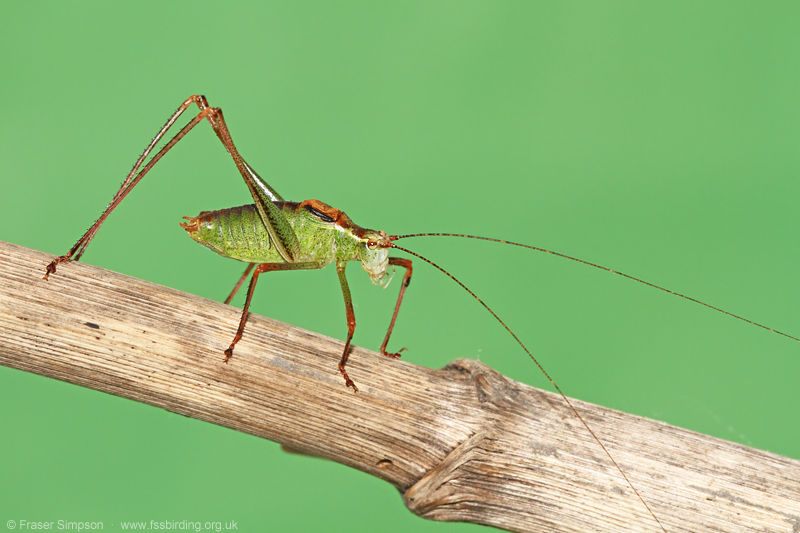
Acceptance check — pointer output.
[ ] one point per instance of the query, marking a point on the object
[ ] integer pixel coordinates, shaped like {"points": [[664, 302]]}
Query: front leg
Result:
{"points": [[405, 263]]}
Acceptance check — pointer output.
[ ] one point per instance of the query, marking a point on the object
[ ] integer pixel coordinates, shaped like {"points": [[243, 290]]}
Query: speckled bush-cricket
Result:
{"points": [[274, 234]]}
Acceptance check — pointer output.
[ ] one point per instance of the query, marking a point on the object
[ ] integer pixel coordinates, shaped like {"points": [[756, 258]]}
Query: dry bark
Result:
{"points": [[462, 443]]}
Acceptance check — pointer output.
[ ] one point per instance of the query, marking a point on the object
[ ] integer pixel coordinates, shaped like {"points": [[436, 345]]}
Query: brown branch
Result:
{"points": [[462, 443]]}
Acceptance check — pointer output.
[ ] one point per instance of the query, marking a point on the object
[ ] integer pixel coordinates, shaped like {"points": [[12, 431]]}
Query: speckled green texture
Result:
{"points": [[239, 233]]}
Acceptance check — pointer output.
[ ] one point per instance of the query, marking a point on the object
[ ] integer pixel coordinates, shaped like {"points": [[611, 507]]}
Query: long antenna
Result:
{"points": [[396, 237], [575, 411]]}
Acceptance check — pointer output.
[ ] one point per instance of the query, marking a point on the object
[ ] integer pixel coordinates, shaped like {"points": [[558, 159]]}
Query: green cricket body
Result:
{"points": [[324, 235], [271, 234]]}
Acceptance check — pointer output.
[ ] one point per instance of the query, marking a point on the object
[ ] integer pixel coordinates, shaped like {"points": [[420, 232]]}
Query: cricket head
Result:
{"points": [[375, 257]]}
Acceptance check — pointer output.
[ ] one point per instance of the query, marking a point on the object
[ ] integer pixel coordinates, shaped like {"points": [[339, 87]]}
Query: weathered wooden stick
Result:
{"points": [[462, 444]]}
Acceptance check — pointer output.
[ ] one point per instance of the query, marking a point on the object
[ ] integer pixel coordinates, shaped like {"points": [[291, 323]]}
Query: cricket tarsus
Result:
{"points": [[552, 382], [588, 263]]}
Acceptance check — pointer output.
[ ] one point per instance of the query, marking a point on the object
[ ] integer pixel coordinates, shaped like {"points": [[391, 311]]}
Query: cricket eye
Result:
{"points": [[319, 214], [371, 245]]}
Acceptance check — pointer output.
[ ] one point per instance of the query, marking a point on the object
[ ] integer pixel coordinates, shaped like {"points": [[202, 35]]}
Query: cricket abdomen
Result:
{"points": [[236, 232]]}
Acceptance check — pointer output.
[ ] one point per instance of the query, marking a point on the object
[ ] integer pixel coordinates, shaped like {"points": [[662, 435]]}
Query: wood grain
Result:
{"points": [[462, 443]]}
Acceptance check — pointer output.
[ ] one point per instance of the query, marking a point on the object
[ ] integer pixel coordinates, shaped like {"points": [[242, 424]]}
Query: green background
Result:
{"points": [[660, 140]]}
